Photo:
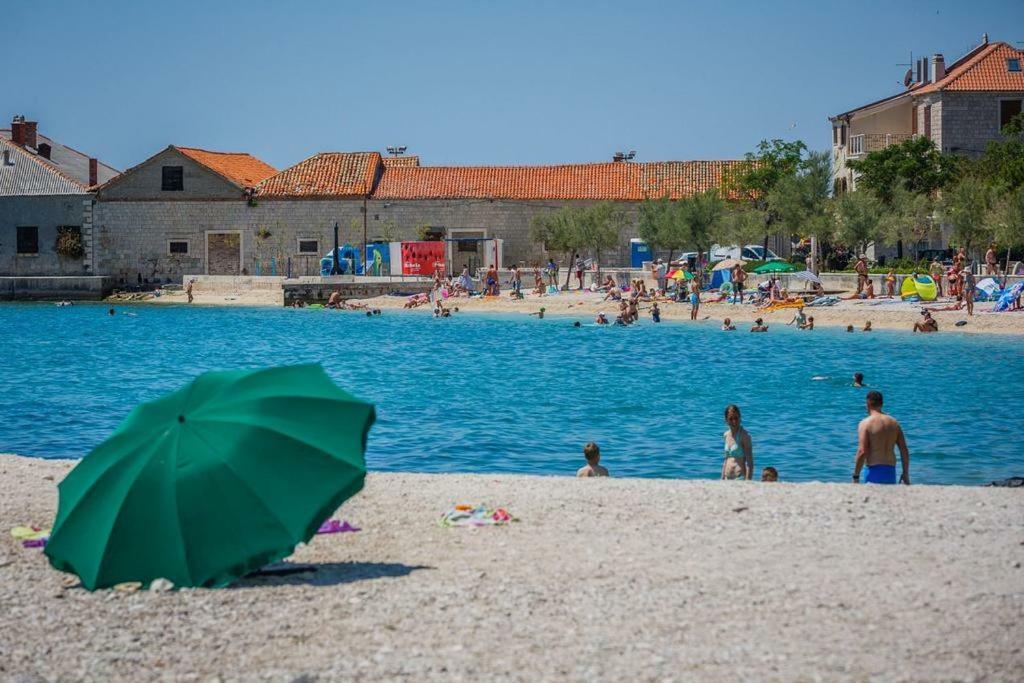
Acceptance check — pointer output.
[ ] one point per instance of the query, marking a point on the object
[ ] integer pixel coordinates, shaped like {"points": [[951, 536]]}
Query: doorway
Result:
{"points": [[224, 252]]}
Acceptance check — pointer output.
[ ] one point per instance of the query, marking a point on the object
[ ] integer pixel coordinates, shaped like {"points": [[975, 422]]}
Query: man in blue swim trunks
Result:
{"points": [[878, 436]]}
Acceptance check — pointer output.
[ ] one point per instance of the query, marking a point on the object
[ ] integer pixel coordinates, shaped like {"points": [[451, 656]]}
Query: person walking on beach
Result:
{"points": [[662, 276], [739, 276], [862, 272], [991, 261], [967, 286], [878, 435], [188, 290], [739, 452], [936, 271], [579, 269]]}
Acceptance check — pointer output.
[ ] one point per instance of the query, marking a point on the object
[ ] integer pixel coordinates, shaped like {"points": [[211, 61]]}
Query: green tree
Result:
{"points": [[910, 218], [914, 165], [758, 176], [1007, 220], [1001, 167], [700, 216], [800, 202], [659, 225], [559, 231], [858, 219], [966, 206], [599, 227]]}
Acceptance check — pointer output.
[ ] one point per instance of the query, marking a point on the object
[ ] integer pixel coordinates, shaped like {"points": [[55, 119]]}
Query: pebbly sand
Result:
{"points": [[617, 579]]}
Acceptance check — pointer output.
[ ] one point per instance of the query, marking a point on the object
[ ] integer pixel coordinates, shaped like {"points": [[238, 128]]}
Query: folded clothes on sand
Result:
{"points": [[333, 526], [481, 515]]}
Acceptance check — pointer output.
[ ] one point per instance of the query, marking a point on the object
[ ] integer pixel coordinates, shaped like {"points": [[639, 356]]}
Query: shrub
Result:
{"points": [[69, 243]]}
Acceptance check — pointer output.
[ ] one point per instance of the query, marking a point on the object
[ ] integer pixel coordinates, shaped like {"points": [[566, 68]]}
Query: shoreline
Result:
{"points": [[721, 580], [883, 313]]}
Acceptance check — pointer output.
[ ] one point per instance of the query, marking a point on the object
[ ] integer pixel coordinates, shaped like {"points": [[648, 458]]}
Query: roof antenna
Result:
{"points": [[984, 38]]}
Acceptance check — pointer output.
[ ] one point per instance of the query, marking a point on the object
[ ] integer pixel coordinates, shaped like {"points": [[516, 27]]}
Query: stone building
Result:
{"points": [[960, 106], [215, 219], [44, 192]]}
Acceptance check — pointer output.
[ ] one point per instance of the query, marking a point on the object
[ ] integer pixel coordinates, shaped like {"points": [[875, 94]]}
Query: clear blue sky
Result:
{"points": [[466, 83]]}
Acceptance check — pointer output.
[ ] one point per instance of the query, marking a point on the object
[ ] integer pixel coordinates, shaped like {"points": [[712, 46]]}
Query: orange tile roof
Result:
{"points": [[616, 181], [328, 174], [401, 161], [240, 168], [984, 70]]}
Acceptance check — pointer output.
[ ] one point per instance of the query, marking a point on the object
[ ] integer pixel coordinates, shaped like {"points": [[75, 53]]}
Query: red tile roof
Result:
{"points": [[615, 181], [985, 71], [328, 174], [240, 168], [402, 161]]}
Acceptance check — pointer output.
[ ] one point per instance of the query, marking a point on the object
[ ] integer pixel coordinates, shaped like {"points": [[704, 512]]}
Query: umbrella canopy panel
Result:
{"points": [[775, 267], [212, 481]]}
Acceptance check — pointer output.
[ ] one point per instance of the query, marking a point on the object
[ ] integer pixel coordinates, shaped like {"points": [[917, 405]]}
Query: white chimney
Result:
{"points": [[938, 67]]}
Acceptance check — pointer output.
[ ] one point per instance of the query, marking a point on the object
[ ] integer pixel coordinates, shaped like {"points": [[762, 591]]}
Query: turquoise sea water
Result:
{"points": [[516, 394]]}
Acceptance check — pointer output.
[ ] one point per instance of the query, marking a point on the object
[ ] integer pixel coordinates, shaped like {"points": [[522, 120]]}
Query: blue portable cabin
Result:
{"points": [[639, 251]]}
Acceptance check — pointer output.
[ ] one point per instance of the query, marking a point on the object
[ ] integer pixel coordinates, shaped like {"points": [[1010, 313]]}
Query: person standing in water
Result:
{"points": [[739, 452], [694, 298], [878, 435]]}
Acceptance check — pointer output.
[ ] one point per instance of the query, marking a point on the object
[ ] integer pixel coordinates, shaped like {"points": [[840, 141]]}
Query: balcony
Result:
{"points": [[866, 143]]}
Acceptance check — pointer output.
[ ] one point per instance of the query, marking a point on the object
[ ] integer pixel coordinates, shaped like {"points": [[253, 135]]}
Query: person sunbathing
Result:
{"points": [[614, 293]]}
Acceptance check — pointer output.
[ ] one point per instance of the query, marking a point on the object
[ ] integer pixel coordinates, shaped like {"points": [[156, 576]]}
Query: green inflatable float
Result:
{"points": [[922, 286]]}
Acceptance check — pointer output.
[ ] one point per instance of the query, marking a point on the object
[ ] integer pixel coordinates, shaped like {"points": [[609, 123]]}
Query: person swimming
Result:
{"points": [[727, 325], [858, 379]]}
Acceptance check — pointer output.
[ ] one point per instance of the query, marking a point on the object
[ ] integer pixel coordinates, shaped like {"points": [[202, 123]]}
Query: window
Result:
{"points": [[179, 247], [28, 240], [842, 136], [928, 121], [309, 246], [172, 179], [913, 120], [1007, 110], [1013, 65], [835, 135]]}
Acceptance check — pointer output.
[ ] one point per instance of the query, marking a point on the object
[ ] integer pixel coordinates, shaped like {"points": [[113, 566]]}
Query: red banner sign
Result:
{"points": [[420, 258]]}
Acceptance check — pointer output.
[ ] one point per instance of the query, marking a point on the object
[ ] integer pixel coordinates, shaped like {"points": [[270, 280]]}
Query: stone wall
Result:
{"points": [[55, 288], [970, 120], [45, 213], [145, 181]]}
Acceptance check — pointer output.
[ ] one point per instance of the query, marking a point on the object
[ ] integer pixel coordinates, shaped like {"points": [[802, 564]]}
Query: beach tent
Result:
{"points": [[212, 481], [923, 287], [720, 276]]}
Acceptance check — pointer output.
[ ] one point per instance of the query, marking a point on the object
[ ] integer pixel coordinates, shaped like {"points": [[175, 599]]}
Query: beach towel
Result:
{"points": [[829, 300], [481, 515], [1008, 297], [30, 536]]}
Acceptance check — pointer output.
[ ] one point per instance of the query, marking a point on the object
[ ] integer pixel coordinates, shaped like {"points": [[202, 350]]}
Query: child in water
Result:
{"points": [[769, 474], [592, 452]]}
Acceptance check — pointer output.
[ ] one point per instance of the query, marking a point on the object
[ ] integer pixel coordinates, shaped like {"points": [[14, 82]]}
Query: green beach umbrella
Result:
{"points": [[212, 481], [775, 267]]}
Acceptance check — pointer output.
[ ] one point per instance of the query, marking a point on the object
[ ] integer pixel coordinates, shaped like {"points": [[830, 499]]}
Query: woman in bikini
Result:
{"points": [[739, 453]]}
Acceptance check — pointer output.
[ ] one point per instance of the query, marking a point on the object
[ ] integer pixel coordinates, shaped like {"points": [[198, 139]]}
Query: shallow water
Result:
{"points": [[515, 394]]}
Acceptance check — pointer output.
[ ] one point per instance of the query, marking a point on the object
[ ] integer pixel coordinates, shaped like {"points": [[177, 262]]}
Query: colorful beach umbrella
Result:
{"points": [[213, 481], [775, 267], [681, 274]]}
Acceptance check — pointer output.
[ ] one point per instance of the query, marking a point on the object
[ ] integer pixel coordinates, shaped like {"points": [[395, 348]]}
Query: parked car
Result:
{"points": [[748, 252]]}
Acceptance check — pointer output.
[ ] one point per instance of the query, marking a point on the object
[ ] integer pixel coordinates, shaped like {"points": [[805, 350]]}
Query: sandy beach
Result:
{"points": [[883, 313], [598, 580]]}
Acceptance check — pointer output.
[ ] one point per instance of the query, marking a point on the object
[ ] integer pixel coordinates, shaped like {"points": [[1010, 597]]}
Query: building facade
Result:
{"points": [[45, 204], [960, 107], [187, 211]]}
